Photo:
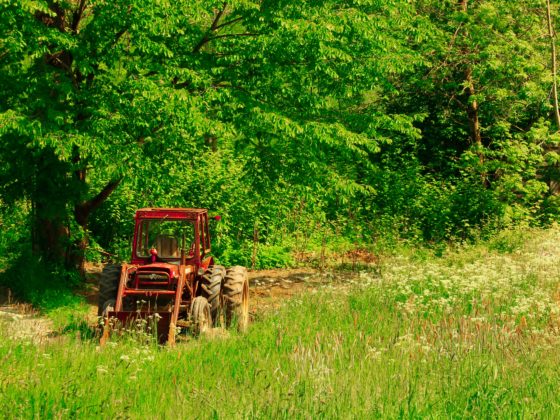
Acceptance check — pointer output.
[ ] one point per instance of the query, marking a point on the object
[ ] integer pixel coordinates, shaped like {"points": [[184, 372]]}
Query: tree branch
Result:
{"points": [[118, 35], [77, 16], [103, 194], [232, 35], [83, 210], [231, 22], [58, 21], [206, 38]]}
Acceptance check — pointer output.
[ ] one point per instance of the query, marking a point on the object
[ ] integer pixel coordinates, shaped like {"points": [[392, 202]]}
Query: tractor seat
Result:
{"points": [[167, 246]]}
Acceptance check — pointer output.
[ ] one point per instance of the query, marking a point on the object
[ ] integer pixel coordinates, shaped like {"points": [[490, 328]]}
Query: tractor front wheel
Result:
{"points": [[235, 296], [210, 285], [201, 315], [108, 288]]}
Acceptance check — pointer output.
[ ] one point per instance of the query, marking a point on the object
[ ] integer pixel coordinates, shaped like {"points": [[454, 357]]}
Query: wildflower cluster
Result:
{"points": [[477, 290]]}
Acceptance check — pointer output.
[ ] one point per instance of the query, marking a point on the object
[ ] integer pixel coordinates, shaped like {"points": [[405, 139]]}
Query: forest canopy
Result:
{"points": [[361, 121]]}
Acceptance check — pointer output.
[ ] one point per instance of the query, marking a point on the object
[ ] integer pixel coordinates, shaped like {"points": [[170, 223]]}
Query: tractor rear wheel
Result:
{"points": [[201, 315], [235, 296], [211, 285], [108, 288]]}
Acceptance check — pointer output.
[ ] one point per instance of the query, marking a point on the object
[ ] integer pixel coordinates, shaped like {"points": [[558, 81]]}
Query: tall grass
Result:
{"points": [[472, 334]]}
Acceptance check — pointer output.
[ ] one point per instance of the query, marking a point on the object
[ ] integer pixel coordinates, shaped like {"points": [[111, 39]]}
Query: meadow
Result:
{"points": [[474, 332]]}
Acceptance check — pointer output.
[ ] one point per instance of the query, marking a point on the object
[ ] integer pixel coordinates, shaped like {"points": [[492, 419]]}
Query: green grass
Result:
{"points": [[474, 333]]}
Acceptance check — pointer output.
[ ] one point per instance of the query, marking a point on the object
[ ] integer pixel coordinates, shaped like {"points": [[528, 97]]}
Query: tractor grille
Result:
{"points": [[149, 277], [152, 280]]}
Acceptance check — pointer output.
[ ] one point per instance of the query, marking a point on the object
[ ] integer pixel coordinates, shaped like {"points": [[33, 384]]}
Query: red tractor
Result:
{"points": [[172, 281]]}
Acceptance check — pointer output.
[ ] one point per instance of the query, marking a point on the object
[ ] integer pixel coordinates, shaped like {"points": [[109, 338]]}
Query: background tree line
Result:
{"points": [[363, 122]]}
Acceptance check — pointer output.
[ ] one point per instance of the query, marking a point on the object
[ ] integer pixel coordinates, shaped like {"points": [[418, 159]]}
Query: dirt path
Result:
{"points": [[268, 290], [21, 321]]}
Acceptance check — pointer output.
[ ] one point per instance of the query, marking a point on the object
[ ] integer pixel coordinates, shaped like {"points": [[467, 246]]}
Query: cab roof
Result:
{"points": [[170, 213]]}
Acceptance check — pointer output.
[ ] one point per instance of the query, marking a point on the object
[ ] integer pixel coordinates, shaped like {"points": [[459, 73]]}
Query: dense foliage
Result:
{"points": [[299, 122]]}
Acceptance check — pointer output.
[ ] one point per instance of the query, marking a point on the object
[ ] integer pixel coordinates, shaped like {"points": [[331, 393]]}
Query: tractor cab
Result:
{"points": [[164, 240], [168, 235]]}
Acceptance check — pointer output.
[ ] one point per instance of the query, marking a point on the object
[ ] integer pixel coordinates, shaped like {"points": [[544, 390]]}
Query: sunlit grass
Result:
{"points": [[474, 333]]}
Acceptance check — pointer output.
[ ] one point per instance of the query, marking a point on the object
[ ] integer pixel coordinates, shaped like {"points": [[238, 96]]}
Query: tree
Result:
{"points": [[92, 92], [484, 92]]}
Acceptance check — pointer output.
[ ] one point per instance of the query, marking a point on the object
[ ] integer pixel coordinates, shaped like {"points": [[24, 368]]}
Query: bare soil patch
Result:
{"points": [[269, 288]]}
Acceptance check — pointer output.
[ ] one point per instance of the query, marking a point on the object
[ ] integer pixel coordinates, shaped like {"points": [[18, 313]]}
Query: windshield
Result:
{"points": [[167, 236]]}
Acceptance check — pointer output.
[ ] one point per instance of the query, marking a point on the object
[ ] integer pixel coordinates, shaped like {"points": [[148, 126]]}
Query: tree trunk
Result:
{"points": [[553, 184], [50, 233], [552, 36], [472, 105], [472, 111], [53, 198]]}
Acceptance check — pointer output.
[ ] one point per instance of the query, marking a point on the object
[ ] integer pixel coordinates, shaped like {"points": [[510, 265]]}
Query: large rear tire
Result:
{"points": [[108, 288], [235, 296], [211, 285]]}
